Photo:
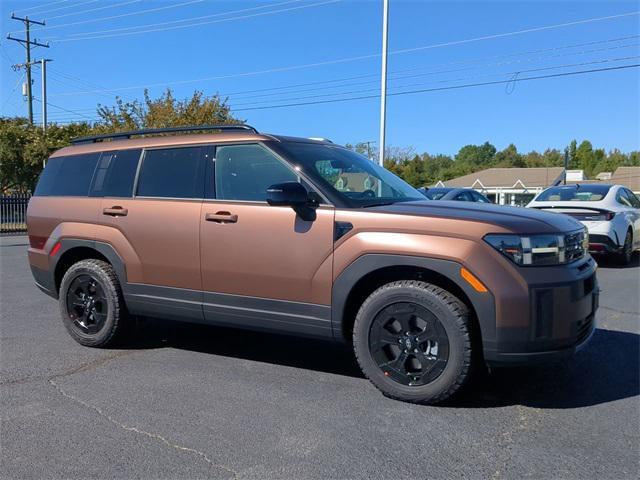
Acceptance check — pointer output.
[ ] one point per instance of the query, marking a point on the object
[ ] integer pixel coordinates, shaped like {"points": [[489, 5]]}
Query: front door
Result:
{"points": [[263, 266]]}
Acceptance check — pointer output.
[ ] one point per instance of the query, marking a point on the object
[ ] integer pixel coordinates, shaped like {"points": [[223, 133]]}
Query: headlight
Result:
{"points": [[538, 250]]}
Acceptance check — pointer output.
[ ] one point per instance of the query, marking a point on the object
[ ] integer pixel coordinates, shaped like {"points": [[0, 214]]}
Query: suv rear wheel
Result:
{"points": [[412, 341], [91, 303]]}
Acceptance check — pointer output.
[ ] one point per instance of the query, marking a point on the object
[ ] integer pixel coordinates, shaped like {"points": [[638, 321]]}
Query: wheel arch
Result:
{"points": [[370, 271], [74, 250]]}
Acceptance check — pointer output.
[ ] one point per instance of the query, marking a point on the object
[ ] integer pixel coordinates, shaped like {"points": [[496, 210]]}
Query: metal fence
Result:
{"points": [[13, 214]]}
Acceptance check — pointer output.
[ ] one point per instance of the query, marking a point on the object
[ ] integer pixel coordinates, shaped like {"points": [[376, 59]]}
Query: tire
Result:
{"points": [[625, 256], [91, 304], [427, 311]]}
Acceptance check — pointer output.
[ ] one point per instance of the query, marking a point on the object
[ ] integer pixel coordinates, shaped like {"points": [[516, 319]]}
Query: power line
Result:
{"points": [[429, 73], [208, 22], [325, 63], [156, 24], [28, 9], [129, 2], [61, 108], [112, 17], [544, 50], [427, 90], [67, 6], [454, 87], [582, 64]]}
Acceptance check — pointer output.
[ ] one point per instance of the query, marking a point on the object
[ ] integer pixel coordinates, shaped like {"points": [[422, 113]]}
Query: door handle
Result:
{"points": [[115, 211], [221, 217]]}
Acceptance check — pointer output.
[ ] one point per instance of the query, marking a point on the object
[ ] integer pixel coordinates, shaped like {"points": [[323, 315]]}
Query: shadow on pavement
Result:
{"points": [[607, 261], [607, 370]]}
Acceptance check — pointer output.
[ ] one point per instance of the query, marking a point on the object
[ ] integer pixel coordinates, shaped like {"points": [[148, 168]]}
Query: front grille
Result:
{"points": [[574, 245], [584, 328]]}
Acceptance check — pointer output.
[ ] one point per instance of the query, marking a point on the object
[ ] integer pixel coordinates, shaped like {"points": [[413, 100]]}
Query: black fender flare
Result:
{"points": [[483, 303], [105, 249]]}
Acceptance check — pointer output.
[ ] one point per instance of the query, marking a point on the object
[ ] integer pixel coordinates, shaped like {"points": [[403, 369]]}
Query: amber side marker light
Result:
{"points": [[472, 280]]}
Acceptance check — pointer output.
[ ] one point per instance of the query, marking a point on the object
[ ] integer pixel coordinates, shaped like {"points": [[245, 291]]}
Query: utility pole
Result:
{"points": [[43, 71], [27, 42], [566, 165], [383, 83], [368, 144]]}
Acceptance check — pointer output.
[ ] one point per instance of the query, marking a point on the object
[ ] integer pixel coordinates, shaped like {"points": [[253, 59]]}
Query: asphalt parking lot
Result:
{"points": [[188, 401]]}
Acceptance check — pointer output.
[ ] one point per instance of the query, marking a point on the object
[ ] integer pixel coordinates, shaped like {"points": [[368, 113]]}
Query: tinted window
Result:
{"points": [[464, 197], [115, 174], [479, 198], [172, 173], [67, 176], [244, 172], [435, 194], [633, 198], [622, 198], [574, 193]]}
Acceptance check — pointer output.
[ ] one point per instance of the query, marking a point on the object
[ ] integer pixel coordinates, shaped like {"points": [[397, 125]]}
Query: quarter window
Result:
{"points": [[172, 173], [67, 176], [245, 172]]}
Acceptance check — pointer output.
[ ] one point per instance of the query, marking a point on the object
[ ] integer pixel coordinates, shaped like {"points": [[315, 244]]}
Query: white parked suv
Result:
{"points": [[611, 214]]}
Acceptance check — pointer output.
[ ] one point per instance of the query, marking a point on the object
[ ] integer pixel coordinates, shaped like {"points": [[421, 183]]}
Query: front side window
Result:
{"points": [[245, 172], [172, 173], [67, 176], [355, 179]]}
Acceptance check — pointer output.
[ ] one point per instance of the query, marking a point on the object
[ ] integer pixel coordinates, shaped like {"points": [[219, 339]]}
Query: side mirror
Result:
{"points": [[294, 195]]}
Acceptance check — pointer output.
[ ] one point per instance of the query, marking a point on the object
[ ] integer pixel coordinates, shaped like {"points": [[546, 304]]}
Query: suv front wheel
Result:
{"points": [[91, 303], [412, 341]]}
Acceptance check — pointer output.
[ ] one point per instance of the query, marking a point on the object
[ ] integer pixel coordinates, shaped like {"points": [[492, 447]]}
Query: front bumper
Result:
{"points": [[562, 311]]}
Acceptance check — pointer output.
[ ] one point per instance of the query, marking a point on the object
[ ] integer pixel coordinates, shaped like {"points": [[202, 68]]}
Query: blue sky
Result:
{"points": [[273, 36]]}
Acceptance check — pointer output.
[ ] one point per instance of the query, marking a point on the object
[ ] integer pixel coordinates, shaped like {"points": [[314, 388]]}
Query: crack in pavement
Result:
{"points": [[618, 311], [83, 367], [106, 416]]}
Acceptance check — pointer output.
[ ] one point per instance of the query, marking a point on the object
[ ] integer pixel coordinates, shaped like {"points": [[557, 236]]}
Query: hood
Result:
{"points": [[514, 219]]}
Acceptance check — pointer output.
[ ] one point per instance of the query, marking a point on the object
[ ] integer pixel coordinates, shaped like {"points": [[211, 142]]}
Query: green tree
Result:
{"points": [[164, 111]]}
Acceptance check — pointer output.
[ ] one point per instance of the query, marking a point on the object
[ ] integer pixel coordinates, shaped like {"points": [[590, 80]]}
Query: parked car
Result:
{"points": [[611, 213], [304, 237], [458, 194]]}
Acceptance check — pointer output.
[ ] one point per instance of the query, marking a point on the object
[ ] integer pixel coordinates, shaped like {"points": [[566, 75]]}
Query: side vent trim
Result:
{"points": [[341, 229]]}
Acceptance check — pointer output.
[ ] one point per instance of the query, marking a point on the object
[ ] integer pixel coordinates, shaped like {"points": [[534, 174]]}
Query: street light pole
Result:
{"points": [[383, 83]]}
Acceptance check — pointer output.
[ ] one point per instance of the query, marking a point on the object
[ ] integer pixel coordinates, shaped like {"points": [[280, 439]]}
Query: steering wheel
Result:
{"points": [[368, 194]]}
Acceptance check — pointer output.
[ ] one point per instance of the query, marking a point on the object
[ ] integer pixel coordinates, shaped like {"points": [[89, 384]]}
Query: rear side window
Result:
{"points": [[67, 176], [115, 174], [172, 173]]}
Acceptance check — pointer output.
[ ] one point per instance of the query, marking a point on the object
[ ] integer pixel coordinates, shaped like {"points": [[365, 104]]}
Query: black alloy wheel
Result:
{"points": [[87, 304], [409, 344]]}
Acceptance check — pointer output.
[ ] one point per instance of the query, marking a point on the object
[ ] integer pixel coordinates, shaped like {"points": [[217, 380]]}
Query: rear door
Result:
{"points": [[158, 225], [263, 266]]}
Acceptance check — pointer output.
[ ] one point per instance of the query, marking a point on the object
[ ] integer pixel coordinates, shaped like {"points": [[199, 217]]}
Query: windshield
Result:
{"points": [[574, 193], [356, 179]]}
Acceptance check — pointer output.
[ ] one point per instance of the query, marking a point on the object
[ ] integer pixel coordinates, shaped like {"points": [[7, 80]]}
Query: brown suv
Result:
{"points": [[305, 237]]}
